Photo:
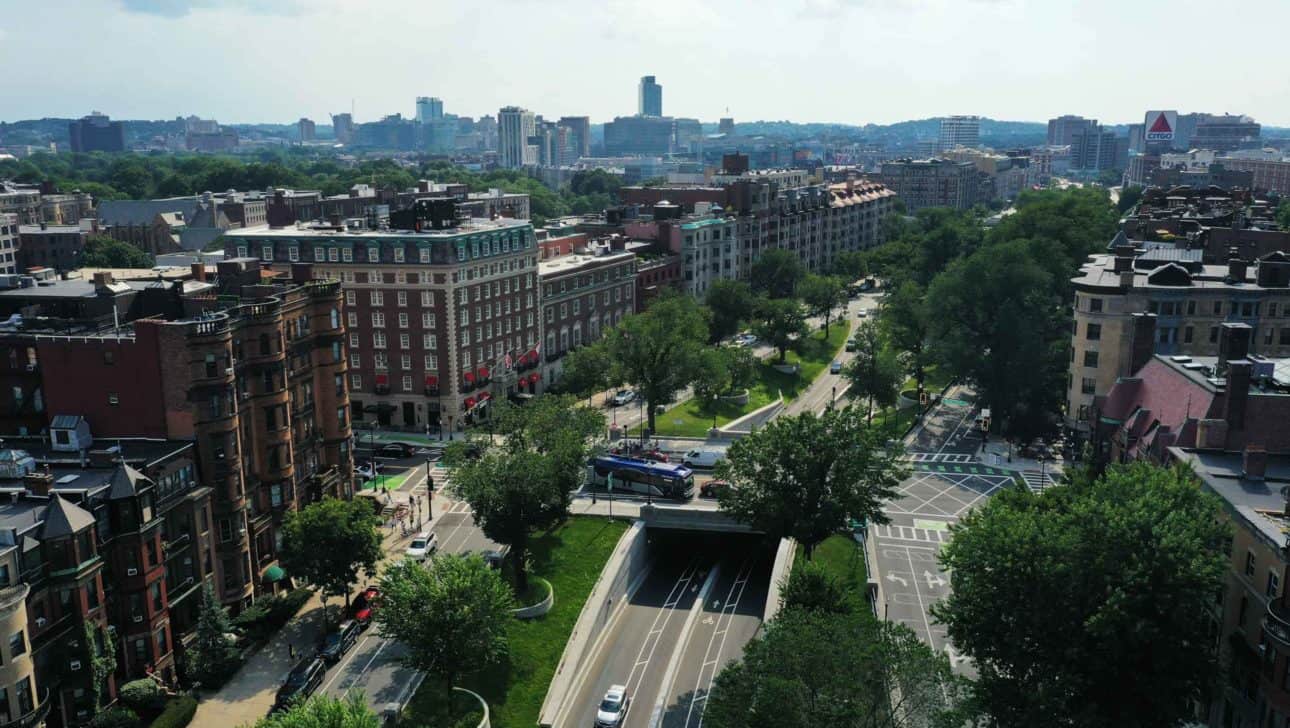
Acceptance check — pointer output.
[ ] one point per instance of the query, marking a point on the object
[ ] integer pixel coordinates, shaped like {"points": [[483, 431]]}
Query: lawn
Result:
{"points": [[813, 355], [571, 558], [843, 559]]}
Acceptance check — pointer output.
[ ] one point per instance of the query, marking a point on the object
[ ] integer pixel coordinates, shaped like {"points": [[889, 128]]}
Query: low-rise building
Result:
{"points": [[10, 232], [583, 296], [934, 182], [52, 246]]}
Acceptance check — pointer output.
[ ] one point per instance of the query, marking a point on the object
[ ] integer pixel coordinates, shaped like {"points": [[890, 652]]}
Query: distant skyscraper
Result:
{"points": [[429, 108], [343, 127], [726, 126], [649, 97], [1062, 130], [305, 130], [97, 133], [960, 131], [577, 138], [515, 130]]}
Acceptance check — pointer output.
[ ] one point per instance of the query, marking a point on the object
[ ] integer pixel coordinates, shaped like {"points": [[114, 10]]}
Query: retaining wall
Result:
{"points": [[778, 574]]}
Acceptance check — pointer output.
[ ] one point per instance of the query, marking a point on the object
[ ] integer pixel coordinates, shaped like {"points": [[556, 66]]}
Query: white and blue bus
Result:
{"points": [[638, 475]]}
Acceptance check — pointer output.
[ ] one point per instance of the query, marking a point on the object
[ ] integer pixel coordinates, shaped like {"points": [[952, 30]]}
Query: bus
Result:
{"points": [[646, 477]]}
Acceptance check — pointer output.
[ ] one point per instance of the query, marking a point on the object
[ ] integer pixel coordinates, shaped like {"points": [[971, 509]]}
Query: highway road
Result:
{"points": [[665, 645]]}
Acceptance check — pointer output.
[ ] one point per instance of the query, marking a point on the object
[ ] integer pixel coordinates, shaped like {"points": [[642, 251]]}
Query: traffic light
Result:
{"points": [[923, 397]]}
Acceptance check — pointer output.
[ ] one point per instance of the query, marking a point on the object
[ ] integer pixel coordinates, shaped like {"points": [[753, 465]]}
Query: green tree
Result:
{"points": [[657, 351], [741, 365], [1283, 214], [712, 379], [324, 711], [731, 303], [1118, 575], [1129, 197], [875, 372], [104, 252], [525, 484], [819, 669], [213, 656], [586, 371], [904, 322], [994, 321], [810, 587], [780, 321], [776, 273], [805, 477], [329, 542], [450, 615], [851, 265], [822, 296]]}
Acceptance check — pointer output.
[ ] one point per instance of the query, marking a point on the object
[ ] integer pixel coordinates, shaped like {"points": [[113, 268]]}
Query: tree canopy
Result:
{"points": [[657, 351], [324, 711], [328, 542], [1116, 575], [780, 321], [104, 252], [804, 477], [776, 273], [822, 295], [875, 374], [731, 303]]}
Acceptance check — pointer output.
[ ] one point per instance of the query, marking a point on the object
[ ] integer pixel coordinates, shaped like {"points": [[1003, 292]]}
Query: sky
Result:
{"points": [[841, 61]]}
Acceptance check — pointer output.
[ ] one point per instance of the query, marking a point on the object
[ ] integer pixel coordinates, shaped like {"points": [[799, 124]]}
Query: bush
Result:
{"points": [[179, 711], [115, 718], [143, 695], [266, 616]]}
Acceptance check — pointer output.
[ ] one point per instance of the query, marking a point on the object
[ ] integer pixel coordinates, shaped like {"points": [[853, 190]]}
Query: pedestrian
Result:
{"points": [[291, 650]]}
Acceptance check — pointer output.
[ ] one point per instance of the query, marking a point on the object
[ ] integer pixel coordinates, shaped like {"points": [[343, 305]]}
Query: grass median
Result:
{"points": [[571, 559], [843, 559], [813, 355]]}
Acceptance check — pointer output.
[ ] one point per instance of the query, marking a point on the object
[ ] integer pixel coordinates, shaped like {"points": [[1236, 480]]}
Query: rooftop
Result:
{"points": [[576, 261], [1258, 503], [473, 225]]}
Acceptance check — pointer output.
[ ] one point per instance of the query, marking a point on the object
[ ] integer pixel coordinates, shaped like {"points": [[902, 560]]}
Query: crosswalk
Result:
{"points": [[892, 532], [442, 479], [939, 457], [1037, 481]]}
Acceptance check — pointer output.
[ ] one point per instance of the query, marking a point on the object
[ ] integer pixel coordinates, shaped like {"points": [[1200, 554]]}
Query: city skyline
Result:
{"points": [[934, 64]]}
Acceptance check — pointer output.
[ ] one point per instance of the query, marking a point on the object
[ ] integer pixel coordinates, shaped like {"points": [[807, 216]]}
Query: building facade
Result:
{"points": [[959, 131], [96, 133], [306, 130], [515, 129], [649, 97], [433, 315], [1062, 130], [933, 183], [10, 235], [576, 141], [50, 246], [583, 296]]}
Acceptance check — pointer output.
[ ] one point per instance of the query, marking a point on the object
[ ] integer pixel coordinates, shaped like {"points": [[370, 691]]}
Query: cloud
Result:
{"points": [[181, 8]]}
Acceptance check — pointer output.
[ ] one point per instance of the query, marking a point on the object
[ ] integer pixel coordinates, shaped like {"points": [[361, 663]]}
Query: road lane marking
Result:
{"points": [[922, 607], [729, 613], [678, 651]]}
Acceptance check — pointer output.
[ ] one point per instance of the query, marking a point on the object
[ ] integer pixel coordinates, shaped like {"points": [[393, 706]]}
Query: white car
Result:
{"points": [[704, 457], [624, 396], [835, 367], [422, 546], [746, 340], [862, 313], [367, 471], [613, 708]]}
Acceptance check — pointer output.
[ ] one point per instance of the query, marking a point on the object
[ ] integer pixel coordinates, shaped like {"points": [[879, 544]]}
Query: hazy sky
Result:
{"points": [[850, 61]]}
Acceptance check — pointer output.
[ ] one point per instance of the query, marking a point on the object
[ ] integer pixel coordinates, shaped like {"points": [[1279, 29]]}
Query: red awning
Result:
{"points": [[484, 397], [470, 402], [432, 380], [483, 372], [382, 379], [469, 377], [533, 378]]}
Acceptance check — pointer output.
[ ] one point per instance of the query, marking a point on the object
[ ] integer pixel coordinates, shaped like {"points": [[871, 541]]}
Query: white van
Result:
{"points": [[703, 457]]}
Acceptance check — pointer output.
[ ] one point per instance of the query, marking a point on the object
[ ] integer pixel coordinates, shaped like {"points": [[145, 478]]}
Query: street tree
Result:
{"points": [[741, 365], [812, 668], [1118, 576], [657, 351], [851, 265], [324, 711], [586, 371], [904, 322], [213, 655], [875, 374], [329, 542], [104, 252], [732, 303], [713, 378], [994, 322], [811, 588], [776, 273], [450, 615], [804, 477], [822, 295], [780, 321]]}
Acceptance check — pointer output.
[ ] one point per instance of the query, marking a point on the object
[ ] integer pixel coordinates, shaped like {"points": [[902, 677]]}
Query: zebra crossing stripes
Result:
{"points": [[894, 532], [939, 457], [1037, 481]]}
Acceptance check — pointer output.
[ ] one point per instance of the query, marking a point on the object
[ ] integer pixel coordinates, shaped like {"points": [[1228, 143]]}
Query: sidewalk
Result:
{"points": [[249, 695]]}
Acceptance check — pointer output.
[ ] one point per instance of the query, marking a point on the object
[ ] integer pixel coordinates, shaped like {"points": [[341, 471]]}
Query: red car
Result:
{"points": [[712, 487], [656, 455], [363, 605]]}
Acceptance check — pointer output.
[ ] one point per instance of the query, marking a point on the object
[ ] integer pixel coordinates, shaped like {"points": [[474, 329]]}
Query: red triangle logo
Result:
{"points": [[1161, 125]]}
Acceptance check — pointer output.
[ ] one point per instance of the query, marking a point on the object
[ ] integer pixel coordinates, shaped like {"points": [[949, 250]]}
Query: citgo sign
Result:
{"points": [[1160, 125]]}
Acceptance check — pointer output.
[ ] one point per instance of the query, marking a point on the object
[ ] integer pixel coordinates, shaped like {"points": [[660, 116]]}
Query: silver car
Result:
{"points": [[613, 708]]}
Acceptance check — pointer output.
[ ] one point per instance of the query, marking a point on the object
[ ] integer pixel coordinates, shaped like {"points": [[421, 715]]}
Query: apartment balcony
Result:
{"points": [[35, 717], [1277, 623]]}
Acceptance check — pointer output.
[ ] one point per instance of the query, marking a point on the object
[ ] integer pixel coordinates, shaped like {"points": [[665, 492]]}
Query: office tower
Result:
{"points": [[515, 129], [429, 108], [1062, 130], [305, 129], [960, 131], [97, 133], [577, 138], [650, 97], [726, 126], [343, 127]]}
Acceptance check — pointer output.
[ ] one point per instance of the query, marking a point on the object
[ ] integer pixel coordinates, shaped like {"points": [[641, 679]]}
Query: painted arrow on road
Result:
{"points": [[894, 578], [933, 580], [955, 658]]}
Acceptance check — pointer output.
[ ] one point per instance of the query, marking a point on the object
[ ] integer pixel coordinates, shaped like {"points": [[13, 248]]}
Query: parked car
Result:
{"points": [[361, 607], [422, 546], [492, 557], [338, 641], [367, 471], [703, 457], [862, 314], [746, 340], [613, 708], [851, 344], [301, 682], [623, 396], [397, 450], [711, 488], [835, 367]]}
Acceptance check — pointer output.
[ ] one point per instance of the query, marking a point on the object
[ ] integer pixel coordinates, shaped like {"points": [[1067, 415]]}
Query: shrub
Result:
{"points": [[115, 718], [266, 616], [143, 695], [179, 711]]}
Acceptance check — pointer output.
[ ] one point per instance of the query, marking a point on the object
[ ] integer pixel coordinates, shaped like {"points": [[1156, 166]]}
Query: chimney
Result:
{"points": [[1254, 462], [1233, 342], [302, 272], [423, 185], [39, 482], [1126, 279], [199, 271], [1143, 344], [1123, 263], [1235, 266], [1237, 394], [102, 280]]}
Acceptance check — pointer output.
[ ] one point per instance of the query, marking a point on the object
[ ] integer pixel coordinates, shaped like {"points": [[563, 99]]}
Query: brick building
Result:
{"points": [[436, 306], [51, 246], [583, 296]]}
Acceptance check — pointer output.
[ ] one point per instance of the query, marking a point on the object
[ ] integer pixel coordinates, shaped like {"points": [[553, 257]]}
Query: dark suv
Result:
{"points": [[339, 640], [303, 680]]}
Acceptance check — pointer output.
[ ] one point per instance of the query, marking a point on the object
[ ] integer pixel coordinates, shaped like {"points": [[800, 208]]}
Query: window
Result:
{"points": [[1218, 308], [162, 646], [347, 255], [355, 381], [405, 361], [1249, 563], [1094, 332], [402, 298], [340, 416], [424, 255], [403, 320], [154, 591], [353, 341], [398, 254], [333, 255], [17, 644], [1088, 385], [293, 253], [1274, 583], [431, 362], [427, 320], [1095, 305], [1272, 308], [405, 341], [320, 254], [378, 339], [114, 399], [351, 318], [378, 320], [1284, 337], [427, 298], [429, 341], [355, 361], [1090, 359], [1213, 334], [377, 298], [373, 254], [351, 298]]}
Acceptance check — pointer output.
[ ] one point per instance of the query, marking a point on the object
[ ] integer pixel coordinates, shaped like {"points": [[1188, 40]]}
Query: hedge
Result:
{"points": [[178, 713], [267, 616], [143, 695], [115, 717]]}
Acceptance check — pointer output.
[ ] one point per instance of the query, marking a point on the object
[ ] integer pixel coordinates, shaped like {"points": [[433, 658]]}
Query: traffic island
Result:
{"points": [[541, 606]]}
